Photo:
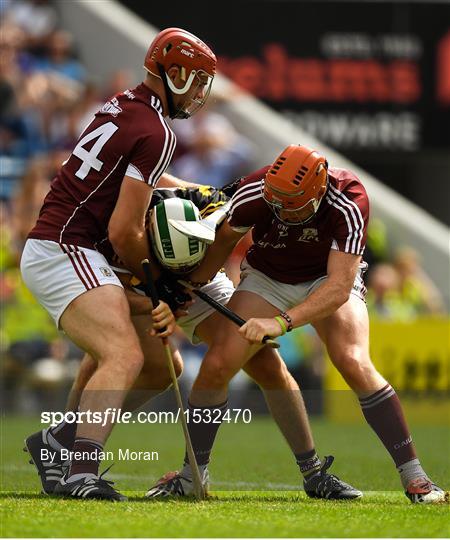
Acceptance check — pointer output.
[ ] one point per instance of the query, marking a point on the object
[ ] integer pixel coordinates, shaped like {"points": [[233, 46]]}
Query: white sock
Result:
{"points": [[186, 471], [410, 471]]}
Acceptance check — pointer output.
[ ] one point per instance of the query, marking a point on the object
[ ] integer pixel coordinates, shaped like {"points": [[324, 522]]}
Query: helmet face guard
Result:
{"points": [[197, 87], [295, 216], [197, 64], [295, 184]]}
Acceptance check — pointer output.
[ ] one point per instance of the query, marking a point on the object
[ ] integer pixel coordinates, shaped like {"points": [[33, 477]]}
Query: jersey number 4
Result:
{"points": [[89, 158]]}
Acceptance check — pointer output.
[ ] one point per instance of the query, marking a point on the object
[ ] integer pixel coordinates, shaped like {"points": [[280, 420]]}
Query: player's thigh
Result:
{"points": [[208, 328], [99, 322], [268, 370], [249, 304], [345, 333], [228, 350]]}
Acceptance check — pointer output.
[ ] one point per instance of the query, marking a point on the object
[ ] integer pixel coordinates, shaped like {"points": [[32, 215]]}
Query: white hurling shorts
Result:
{"points": [[58, 273], [283, 295], [220, 289]]}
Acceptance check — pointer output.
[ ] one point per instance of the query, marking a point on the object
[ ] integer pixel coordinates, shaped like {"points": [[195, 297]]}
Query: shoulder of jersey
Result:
{"points": [[252, 181], [343, 187], [341, 178], [131, 101]]}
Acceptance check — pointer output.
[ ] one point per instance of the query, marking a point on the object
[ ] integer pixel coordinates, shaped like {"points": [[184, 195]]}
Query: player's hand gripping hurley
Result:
{"points": [[151, 292], [234, 317]]}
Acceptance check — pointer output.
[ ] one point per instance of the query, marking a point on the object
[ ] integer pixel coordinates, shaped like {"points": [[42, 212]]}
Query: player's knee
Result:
{"points": [[156, 364], [214, 372], [269, 375], [127, 364], [348, 360], [155, 373], [356, 367], [133, 364], [155, 377]]}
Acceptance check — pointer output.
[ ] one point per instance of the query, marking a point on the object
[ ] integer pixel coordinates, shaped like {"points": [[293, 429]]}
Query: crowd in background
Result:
{"points": [[46, 99]]}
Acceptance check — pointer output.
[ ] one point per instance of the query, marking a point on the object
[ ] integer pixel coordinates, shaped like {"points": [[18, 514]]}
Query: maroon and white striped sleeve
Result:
{"points": [[244, 205], [153, 152], [352, 211]]}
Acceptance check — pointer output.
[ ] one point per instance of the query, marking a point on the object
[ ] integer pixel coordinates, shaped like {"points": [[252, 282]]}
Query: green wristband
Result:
{"points": [[281, 322]]}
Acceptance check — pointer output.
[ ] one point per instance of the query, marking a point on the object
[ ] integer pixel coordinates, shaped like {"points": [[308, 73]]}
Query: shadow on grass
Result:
{"points": [[140, 498], [224, 496], [220, 497], [25, 495]]}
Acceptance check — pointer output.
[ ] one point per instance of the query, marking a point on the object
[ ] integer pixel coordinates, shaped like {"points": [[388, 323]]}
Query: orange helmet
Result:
{"points": [[295, 184], [197, 62]]}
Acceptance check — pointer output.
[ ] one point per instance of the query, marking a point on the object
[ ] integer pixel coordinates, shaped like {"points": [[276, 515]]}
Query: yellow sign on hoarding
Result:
{"points": [[415, 358]]}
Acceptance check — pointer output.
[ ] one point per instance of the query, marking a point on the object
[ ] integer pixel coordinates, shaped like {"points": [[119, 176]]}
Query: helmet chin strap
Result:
{"points": [[173, 112]]}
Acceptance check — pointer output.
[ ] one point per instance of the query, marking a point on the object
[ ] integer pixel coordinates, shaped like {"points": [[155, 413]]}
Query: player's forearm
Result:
{"points": [[139, 305], [214, 260], [324, 301], [132, 247], [170, 181]]}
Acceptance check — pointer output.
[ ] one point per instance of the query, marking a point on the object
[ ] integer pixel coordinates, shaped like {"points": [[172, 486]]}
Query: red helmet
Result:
{"points": [[177, 47], [295, 184]]}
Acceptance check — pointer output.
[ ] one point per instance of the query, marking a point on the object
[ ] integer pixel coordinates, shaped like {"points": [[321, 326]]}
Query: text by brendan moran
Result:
{"points": [[122, 454]]}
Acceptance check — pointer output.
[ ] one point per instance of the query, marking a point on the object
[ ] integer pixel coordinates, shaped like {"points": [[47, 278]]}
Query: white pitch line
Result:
{"points": [[269, 485], [239, 485], [120, 476]]}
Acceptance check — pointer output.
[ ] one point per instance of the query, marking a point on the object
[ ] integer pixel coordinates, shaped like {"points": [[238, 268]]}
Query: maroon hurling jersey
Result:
{"points": [[128, 136], [298, 253]]}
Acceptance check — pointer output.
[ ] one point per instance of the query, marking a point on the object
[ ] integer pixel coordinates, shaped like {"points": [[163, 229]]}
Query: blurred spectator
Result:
{"points": [[15, 60], [60, 57], [18, 134], [36, 103], [118, 81], [384, 298], [402, 291], [37, 18], [26, 331], [24, 321], [215, 153], [377, 247], [28, 198], [416, 286], [43, 102], [84, 110], [8, 258], [34, 355]]}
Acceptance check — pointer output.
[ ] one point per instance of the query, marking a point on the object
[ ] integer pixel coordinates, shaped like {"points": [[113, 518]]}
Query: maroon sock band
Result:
{"points": [[85, 457], [384, 414], [64, 433]]}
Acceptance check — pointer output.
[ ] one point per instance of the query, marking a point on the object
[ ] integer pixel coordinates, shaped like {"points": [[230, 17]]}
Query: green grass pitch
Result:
{"points": [[254, 484]]}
